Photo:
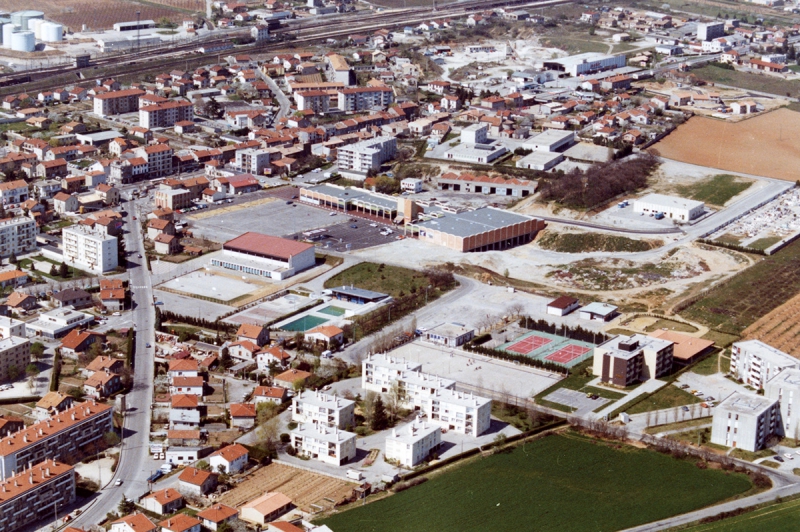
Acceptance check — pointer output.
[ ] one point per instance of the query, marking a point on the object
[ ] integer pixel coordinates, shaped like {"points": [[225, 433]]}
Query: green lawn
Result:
{"points": [[733, 305], [680, 425], [716, 190], [709, 365], [391, 280], [667, 397], [764, 243], [560, 483], [747, 80]]}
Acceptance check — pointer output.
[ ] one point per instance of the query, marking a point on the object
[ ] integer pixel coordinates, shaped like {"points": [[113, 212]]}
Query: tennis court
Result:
{"points": [[333, 311], [528, 344], [550, 348], [567, 354], [305, 323]]}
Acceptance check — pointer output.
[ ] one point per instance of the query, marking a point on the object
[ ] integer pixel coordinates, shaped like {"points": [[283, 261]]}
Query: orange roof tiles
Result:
{"points": [[217, 513], [231, 452], [194, 476], [243, 410], [31, 478]]}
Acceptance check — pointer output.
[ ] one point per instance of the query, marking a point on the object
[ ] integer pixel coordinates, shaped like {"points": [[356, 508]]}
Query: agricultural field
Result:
{"points": [[303, 487], [780, 328], [587, 242], [715, 191], [98, 14], [764, 145], [561, 482], [781, 517], [750, 295]]}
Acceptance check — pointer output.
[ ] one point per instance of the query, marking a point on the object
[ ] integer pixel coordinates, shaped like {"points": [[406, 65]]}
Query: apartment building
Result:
{"points": [[57, 438], [255, 161], [117, 102], [755, 362], [361, 157], [14, 352], [159, 159], [17, 236], [413, 443], [13, 192], [316, 100], [173, 198], [330, 445], [459, 412], [785, 388], [165, 114], [34, 492], [625, 360], [358, 99], [322, 409], [89, 250], [745, 420], [11, 327]]}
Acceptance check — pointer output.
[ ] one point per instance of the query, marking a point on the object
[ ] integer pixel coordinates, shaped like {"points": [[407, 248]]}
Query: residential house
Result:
{"points": [[243, 415], [230, 459], [163, 502], [218, 514], [193, 481], [136, 522], [269, 394]]}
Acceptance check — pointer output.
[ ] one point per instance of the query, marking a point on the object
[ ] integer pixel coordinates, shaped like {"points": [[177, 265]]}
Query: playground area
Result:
{"points": [[550, 347]]}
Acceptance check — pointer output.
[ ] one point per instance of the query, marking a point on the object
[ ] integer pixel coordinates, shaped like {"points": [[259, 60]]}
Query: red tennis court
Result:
{"points": [[528, 344], [567, 354]]}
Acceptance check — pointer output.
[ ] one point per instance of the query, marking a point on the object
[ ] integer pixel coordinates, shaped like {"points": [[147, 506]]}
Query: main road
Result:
{"points": [[135, 464]]}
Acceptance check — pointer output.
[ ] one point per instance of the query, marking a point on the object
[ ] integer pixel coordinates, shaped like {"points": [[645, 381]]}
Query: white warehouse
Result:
{"points": [[413, 443], [745, 421], [682, 210]]}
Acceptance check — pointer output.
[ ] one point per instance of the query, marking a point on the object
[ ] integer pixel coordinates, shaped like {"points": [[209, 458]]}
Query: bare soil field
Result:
{"points": [[96, 14], [765, 145], [780, 328], [303, 487]]}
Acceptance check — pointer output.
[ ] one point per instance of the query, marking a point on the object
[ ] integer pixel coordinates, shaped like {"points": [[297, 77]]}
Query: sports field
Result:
{"points": [[550, 348], [783, 517], [560, 483], [764, 145]]}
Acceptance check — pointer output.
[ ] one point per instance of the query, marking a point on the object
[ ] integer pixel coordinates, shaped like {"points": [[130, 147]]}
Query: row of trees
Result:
{"points": [[217, 325], [576, 333]]}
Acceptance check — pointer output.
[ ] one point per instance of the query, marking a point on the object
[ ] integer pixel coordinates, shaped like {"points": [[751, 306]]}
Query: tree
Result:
{"points": [[395, 398], [63, 271], [368, 406], [225, 358], [13, 372], [31, 370], [379, 419], [202, 464], [125, 506], [111, 438], [53, 271], [37, 350], [265, 411]]}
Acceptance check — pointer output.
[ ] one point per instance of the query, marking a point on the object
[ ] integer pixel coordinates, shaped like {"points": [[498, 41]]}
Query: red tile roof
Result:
{"points": [[265, 245]]}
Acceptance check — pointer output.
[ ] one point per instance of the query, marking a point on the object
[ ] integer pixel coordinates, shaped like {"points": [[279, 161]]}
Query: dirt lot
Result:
{"points": [[764, 145], [303, 487], [779, 328], [96, 14]]}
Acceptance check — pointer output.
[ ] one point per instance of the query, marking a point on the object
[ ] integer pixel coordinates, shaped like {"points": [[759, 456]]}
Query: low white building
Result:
{"points": [[412, 185], [475, 134], [232, 459], [413, 443], [329, 445], [785, 388], [674, 208], [58, 322], [450, 334], [755, 362], [322, 409], [552, 140], [745, 421], [185, 455]]}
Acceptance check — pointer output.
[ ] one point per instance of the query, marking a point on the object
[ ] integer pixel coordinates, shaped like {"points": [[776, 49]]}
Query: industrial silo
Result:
{"points": [[35, 26], [22, 18], [23, 41], [52, 32], [8, 31]]}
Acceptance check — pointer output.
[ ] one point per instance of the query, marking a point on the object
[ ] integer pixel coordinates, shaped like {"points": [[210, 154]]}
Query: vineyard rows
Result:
{"points": [[780, 328]]}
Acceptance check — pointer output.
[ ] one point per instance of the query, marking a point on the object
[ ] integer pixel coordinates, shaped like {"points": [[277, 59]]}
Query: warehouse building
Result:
{"points": [[586, 63], [266, 256], [745, 421], [358, 200], [755, 362], [552, 140], [626, 360], [680, 209], [482, 184], [785, 388], [540, 160]]}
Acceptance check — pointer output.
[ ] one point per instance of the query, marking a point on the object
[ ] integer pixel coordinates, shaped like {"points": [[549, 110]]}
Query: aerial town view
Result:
{"points": [[399, 265]]}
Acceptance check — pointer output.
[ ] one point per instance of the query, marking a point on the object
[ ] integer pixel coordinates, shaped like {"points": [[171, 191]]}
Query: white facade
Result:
{"points": [[475, 134], [413, 443], [550, 140], [785, 388], [89, 251], [58, 322], [755, 362], [253, 161], [745, 421], [411, 184], [459, 412], [323, 409], [366, 155], [586, 63], [17, 236], [674, 208], [329, 445], [11, 327]]}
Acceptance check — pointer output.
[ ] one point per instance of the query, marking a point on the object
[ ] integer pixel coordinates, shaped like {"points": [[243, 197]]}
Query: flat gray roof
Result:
{"points": [[745, 403], [670, 201], [767, 352], [359, 292], [474, 222], [540, 157], [581, 58], [603, 309], [550, 136]]}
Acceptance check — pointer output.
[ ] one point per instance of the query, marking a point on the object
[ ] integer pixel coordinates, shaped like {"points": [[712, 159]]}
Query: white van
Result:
{"points": [[166, 467], [327, 354]]}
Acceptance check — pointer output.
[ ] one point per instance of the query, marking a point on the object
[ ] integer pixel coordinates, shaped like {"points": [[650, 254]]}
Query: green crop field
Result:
{"points": [[782, 517], [715, 191], [391, 280], [560, 482]]}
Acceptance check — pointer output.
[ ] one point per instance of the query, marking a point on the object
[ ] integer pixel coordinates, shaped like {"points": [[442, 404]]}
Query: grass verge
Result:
{"points": [[717, 190], [669, 396]]}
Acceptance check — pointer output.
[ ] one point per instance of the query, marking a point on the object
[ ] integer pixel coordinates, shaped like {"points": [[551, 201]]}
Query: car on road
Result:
{"points": [[353, 226], [373, 225], [332, 214], [709, 398], [685, 409], [684, 386], [789, 456], [294, 197], [778, 459], [118, 482], [134, 217], [155, 476], [116, 314], [289, 202], [147, 345]]}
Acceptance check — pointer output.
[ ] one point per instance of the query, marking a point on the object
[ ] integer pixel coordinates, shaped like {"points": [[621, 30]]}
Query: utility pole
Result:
{"points": [[138, 30]]}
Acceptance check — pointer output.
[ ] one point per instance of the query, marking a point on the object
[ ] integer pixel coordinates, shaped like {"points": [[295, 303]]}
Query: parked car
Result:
{"points": [[118, 482], [155, 476], [778, 459]]}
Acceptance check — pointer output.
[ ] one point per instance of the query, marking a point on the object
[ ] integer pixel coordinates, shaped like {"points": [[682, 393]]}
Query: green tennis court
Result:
{"points": [[333, 311], [305, 323]]}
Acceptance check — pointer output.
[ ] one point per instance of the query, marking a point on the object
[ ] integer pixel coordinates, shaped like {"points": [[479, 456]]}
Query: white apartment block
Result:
{"points": [[323, 409], [366, 155], [785, 388], [173, 198], [364, 98], [459, 412], [16, 352], [89, 251], [13, 192], [254, 161], [117, 102], [32, 494], [11, 327], [755, 362], [165, 114], [17, 236], [316, 100], [745, 421], [413, 443], [329, 445]]}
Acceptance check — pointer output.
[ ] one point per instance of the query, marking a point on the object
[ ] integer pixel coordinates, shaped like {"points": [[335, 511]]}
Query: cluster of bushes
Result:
{"points": [[522, 359], [577, 333], [219, 326], [599, 183], [402, 486], [734, 247]]}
